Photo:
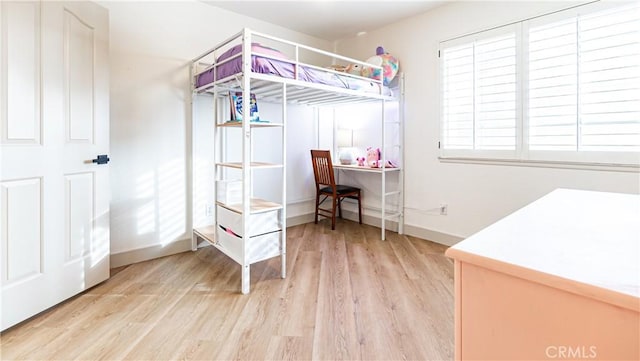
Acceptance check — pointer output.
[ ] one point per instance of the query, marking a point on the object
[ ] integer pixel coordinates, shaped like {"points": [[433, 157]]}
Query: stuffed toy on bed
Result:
{"points": [[355, 69], [388, 63]]}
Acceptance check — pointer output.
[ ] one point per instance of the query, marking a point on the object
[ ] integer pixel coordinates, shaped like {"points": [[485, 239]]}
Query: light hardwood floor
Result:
{"points": [[348, 295]]}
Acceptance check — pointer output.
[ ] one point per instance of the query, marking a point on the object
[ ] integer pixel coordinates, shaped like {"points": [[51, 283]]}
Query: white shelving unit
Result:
{"points": [[253, 229]]}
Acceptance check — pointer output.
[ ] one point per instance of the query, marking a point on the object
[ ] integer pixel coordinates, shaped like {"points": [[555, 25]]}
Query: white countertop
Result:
{"points": [[582, 236]]}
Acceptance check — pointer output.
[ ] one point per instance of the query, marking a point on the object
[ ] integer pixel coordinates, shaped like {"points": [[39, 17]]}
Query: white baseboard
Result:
{"points": [[431, 235], [370, 220], [183, 245], [298, 220], [414, 231], [148, 253]]}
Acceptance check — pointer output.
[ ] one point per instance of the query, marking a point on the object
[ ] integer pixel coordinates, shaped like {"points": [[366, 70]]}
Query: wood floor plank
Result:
{"points": [[379, 333], [335, 337], [299, 301], [409, 257], [291, 348], [347, 295], [79, 330], [169, 332], [426, 247], [249, 339]]}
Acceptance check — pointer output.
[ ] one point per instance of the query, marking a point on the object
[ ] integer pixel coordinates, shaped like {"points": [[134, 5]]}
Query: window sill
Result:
{"points": [[627, 168]]}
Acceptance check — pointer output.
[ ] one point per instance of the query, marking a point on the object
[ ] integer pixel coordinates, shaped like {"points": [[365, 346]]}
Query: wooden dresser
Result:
{"points": [[558, 279]]}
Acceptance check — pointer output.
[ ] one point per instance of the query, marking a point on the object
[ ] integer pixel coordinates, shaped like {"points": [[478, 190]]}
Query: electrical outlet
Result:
{"points": [[444, 208], [208, 210]]}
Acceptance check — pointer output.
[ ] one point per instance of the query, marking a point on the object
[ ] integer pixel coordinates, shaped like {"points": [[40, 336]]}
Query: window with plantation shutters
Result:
{"points": [[559, 87]]}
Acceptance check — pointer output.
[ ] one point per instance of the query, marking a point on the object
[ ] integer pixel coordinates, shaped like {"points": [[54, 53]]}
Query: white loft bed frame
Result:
{"points": [[272, 88]]}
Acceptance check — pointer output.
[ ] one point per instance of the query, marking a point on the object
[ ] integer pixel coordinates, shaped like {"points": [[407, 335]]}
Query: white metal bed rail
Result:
{"points": [[246, 33]]}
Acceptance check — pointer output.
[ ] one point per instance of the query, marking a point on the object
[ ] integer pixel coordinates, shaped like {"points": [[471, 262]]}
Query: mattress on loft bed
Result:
{"points": [[285, 69]]}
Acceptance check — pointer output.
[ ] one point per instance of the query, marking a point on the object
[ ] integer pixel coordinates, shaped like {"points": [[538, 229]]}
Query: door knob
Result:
{"points": [[102, 159]]}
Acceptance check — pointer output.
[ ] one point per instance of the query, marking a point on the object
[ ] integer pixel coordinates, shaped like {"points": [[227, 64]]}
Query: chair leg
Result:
{"points": [[333, 213], [360, 208], [317, 206], [340, 207]]}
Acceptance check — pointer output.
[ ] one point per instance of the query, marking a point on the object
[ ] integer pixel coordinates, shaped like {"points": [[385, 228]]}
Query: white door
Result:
{"points": [[54, 202]]}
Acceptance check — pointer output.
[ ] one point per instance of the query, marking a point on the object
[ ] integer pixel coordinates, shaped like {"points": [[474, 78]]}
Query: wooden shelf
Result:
{"points": [[238, 165], [257, 206], [207, 233], [232, 124]]}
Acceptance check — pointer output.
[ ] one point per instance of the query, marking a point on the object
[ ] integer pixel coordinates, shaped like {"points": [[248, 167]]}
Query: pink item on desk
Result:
{"points": [[373, 157]]}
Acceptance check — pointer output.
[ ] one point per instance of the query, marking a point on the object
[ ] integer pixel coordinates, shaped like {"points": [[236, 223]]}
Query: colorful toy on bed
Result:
{"points": [[373, 157], [388, 63]]}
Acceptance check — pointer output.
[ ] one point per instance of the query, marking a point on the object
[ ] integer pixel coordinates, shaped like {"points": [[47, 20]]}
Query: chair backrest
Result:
{"points": [[322, 168]]}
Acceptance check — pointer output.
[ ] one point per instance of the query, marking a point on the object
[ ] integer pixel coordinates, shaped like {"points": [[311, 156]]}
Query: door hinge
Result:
{"points": [[438, 145]]}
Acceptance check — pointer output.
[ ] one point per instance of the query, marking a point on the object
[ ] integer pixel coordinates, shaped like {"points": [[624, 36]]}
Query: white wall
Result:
{"points": [[477, 194], [151, 45]]}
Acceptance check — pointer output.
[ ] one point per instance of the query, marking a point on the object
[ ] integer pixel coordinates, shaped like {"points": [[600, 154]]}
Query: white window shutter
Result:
{"points": [[495, 93], [609, 80], [457, 97], [552, 86]]}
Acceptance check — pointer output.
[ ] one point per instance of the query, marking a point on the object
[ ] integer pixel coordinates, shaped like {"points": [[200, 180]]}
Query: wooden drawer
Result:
{"points": [[260, 223]]}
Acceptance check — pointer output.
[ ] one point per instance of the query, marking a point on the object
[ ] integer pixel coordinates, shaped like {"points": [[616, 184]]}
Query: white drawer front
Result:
{"points": [[260, 223], [258, 248], [264, 246], [229, 244]]}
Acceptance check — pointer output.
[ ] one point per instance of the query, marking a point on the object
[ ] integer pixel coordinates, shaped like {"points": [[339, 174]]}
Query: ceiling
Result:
{"points": [[329, 20]]}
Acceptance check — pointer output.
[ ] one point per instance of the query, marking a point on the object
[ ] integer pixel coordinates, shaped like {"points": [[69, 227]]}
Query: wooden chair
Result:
{"points": [[326, 186]]}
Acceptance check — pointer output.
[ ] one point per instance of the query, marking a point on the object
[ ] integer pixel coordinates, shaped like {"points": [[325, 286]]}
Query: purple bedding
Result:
{"points": [[284, 69]]}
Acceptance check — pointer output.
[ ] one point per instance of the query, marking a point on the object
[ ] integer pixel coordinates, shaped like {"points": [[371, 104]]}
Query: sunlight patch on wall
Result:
{"points": [[161, 202], [146, 212], [171, 178], [100, 244]]}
